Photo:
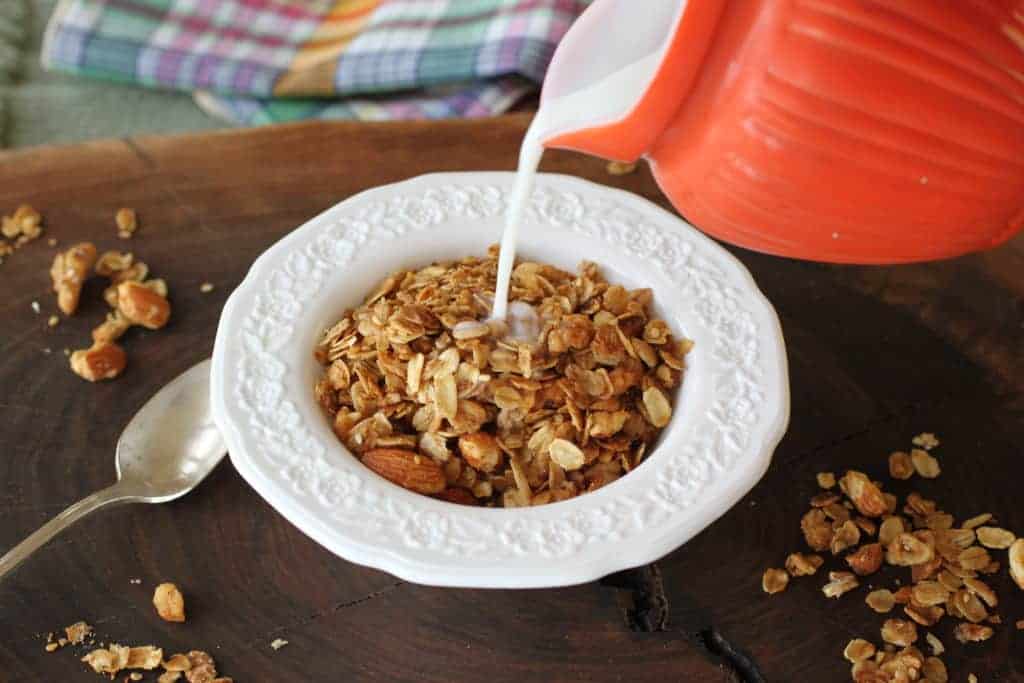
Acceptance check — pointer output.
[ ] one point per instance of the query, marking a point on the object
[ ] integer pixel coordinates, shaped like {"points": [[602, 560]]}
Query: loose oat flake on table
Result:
{"points": [[949, 565], [469, 415]]}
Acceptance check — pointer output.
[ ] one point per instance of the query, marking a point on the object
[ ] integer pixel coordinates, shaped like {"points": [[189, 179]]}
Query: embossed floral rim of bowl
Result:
{"points": [[732, 410]]}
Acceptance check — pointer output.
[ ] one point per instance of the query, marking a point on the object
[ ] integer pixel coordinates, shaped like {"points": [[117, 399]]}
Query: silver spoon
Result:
{"points": [[169, 447]]}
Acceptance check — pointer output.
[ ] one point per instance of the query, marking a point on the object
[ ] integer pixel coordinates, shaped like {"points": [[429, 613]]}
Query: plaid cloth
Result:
{"points": [[262, 61]]}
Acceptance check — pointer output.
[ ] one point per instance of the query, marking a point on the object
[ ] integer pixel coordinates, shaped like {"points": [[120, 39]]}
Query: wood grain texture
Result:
{"points": [[876, 354]]}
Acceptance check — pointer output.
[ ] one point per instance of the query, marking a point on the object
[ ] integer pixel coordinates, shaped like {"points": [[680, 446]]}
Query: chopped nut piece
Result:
{"points": [[858, 650], [881, 601], [50, 647], [69, 272], [798, 564], [994, 537], [278, 643], [925, 464], [480, 450], [866, 560], [142, 306], [839, 583], [100, 361], [126, 223], [169, 602], [78, 632], [899, 632], [774, 581], [826, 480], [900, 465], [936, 645], [202, 668]]}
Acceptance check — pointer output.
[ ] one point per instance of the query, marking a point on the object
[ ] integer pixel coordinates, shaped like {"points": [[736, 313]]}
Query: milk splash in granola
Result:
{"points": [[598, 102]]}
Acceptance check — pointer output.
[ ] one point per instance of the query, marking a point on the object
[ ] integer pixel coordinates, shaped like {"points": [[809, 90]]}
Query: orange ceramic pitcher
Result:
{"points": [[856, 131]]}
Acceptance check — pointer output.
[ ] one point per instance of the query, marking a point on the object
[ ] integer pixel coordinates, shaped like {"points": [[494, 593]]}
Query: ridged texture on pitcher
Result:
{"points": [[867, 131]]}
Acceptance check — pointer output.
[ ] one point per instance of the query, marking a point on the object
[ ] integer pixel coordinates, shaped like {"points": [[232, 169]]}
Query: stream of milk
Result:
{"points": [[605, 100]]}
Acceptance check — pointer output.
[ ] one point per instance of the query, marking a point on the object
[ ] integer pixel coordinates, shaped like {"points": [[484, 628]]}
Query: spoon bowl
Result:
{"points": [[172, 443], [170, 446]]}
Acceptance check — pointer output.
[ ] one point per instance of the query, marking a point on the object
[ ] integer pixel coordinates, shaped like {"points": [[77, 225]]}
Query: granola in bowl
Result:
{"points": [[431, 398]]}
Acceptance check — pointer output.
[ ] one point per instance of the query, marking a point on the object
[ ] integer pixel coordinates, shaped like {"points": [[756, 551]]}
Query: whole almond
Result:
{"points": [[409, 470]]}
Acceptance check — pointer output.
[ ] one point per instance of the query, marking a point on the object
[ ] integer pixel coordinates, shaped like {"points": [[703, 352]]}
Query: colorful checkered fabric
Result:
{"points": [[260, 61]]}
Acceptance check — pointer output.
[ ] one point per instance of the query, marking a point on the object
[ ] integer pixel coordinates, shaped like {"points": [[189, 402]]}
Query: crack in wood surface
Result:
{"points": [[743, 667], [641, 595], [333, 609]]}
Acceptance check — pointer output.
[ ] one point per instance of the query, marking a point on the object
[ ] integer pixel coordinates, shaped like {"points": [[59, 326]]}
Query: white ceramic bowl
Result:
{"points": [[731, 412]]}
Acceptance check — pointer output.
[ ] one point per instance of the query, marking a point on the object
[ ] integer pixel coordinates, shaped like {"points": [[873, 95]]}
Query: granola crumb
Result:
{"points": [[621, 167], [925, 440], [127, 222], [78, 632], [35, 307], [278, 643], [206, 287], [826, 480], [169, 602], [135, 581], [1020, 624], [52, 242], [774, 581], [50, 647], [53, 321]]}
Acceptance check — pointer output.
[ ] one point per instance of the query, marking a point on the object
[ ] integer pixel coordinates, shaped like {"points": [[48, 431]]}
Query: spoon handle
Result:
{"points": [[20, 552]]}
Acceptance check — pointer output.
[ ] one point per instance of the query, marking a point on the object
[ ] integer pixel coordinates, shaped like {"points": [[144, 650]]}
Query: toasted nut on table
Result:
{"points": [[409, 470], [112, 328], [127, 222], [99, 362], [69, 271], [774, 581], [142, 306], [169, 602], [865, 560]]}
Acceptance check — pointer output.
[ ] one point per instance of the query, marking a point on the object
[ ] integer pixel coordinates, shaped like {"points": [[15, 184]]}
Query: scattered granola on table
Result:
{"points": [[470, 416], [946, 563], [134, 299], [18, 229], [169, 602]]}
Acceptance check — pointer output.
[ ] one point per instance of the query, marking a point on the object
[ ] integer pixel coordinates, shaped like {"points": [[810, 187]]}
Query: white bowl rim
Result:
{"points": [[542, 561]]}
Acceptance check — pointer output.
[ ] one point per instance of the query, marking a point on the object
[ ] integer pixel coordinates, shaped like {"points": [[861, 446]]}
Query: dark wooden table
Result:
{"points": [[876, 355]]}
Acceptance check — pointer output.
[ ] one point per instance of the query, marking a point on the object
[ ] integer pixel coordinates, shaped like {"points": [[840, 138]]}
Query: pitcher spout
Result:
{"points": [[612, 97]]}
